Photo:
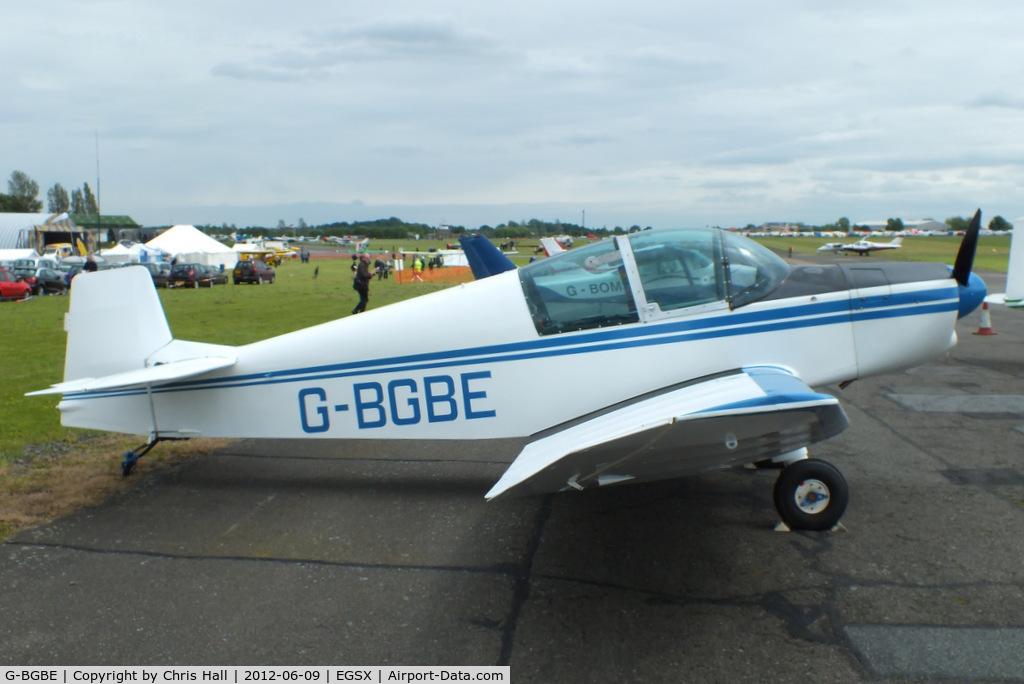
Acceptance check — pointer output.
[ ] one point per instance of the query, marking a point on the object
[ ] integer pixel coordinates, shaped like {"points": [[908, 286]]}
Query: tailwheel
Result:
{"points": [[811, 494], [129, 464], [131, 458]]}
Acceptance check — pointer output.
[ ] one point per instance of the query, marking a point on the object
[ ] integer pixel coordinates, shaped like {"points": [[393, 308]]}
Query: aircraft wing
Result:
{"points": [[746, 416], [152, 375]]}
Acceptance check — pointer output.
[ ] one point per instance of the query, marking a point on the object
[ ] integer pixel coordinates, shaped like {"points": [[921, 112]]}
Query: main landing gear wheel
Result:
{"points": [[811, 495]]}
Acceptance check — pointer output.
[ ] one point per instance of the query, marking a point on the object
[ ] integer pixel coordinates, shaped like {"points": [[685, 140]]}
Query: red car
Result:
{"points": [[12, 288]]}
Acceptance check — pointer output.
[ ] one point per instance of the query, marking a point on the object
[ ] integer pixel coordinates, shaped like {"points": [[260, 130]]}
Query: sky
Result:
{"points": [[477, 113]]}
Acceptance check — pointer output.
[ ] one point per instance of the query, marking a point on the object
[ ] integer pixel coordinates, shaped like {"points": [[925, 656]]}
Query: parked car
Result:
{"points": [[248, 271], [189, 275], [70, 272], [47, 281], [22, 265], [159, 270], [12, 288], [24, 269], [217, 275]]}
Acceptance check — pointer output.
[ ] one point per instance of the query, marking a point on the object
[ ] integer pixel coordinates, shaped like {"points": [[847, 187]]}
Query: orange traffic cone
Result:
{"points": [[986, 322]]}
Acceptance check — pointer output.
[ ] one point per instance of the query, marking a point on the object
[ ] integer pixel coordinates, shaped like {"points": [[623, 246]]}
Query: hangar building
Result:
{"points": [[36, 231]]}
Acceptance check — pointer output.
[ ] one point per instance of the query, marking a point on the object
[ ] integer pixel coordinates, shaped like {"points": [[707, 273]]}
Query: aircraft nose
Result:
{"points": [[971, 295]]}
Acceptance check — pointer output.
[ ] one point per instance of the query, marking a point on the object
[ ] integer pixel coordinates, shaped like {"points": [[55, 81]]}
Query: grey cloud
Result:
{"points": [[997, 100], [417, 41], [246, 72]]}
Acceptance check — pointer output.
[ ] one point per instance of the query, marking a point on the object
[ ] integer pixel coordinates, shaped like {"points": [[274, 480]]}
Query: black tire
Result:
{"points": [[811, 495]]}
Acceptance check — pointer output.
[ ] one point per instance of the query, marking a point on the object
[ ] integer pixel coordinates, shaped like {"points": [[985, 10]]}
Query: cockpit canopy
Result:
{"points": [[648, 276]]}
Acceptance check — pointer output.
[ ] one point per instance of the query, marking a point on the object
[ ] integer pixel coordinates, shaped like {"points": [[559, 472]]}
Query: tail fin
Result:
{"points": [[551, 246], [1014, 295], [1015, 271], [896, 240], [484, 258], [115, 325]]}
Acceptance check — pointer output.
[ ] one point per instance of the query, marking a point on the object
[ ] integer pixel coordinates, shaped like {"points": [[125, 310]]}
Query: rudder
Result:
{"points": [[115, 322]]}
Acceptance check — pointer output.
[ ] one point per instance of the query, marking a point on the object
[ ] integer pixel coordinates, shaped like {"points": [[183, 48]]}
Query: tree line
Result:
{"points": [[23, 197]]}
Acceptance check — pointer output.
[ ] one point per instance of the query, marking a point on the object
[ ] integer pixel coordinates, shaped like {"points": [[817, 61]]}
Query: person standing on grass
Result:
{"points": [[361, 283]]}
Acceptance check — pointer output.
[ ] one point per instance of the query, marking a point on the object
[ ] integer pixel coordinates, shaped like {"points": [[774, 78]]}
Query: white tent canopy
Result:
{"points": [[187, 244], [13, 254], [134, 253]]}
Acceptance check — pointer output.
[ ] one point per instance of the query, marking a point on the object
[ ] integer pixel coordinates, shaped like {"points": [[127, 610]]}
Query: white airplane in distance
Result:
{"points": [[866, 247], [1014, 295], [551, 246], [346, 241], [835, 247], [671, 352]]}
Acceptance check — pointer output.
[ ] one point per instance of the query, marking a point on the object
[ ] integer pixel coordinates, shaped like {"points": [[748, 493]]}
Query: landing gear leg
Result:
{"points": [[132, 457], [811, 494]]}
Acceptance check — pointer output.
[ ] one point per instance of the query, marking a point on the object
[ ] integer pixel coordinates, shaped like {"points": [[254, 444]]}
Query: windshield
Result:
{"points": [[754, 271], [580, 289]]}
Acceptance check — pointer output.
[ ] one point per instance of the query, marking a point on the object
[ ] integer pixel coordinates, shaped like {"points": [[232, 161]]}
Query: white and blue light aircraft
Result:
{"points": [[638, 358], [867, 247]]}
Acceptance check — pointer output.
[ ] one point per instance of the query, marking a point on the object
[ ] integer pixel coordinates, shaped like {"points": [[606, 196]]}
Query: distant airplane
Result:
{"points": [[835, 247], [347, 240], [640, 357], [866, 247], [551, 246]]}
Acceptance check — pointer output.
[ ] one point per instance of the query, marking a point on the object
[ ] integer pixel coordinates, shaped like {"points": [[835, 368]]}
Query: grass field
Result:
{"points": [[37, 454]]}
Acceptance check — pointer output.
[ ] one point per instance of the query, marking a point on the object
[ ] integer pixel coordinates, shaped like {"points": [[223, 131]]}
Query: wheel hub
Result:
{"points": [[811, 496]]}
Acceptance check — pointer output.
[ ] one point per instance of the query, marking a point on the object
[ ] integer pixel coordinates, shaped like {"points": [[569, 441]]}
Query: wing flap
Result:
{"points": [[151, 375], [750, 415]]}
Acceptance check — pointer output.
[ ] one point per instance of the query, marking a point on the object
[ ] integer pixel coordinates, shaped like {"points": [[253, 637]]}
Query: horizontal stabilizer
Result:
{"points": [[751, 415], [153, 375], [1003, 298]]}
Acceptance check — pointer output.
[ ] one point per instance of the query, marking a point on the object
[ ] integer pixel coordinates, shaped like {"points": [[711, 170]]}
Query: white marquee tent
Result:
{"points": [[131, 254], [187, 244]]}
